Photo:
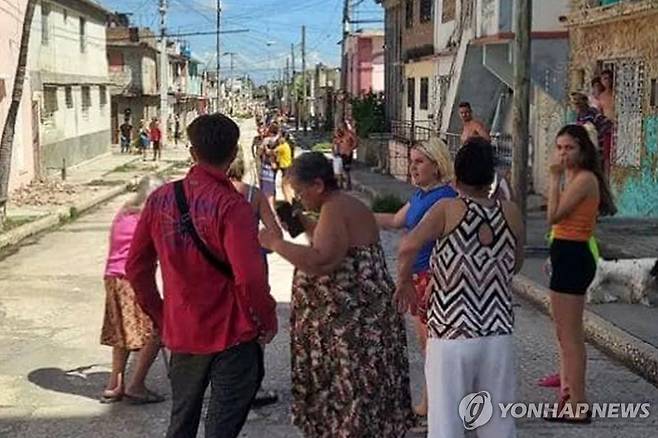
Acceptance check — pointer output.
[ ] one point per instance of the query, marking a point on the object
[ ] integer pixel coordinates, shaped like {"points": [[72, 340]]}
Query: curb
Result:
{"points": [[64, 214], [633, 352]]}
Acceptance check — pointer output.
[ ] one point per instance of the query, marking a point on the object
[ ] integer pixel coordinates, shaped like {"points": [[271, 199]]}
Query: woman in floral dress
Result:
{"points": [[348, 343]]}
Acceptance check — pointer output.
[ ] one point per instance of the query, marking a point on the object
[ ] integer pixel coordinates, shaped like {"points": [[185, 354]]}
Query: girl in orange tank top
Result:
{"points": [[572, 211]]}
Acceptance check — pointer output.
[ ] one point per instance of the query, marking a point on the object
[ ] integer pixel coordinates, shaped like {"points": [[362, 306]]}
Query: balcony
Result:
{"points": [[597, 12]]}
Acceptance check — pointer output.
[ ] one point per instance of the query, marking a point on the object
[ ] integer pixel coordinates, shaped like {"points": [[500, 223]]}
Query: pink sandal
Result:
{"points": [[550, 381]]}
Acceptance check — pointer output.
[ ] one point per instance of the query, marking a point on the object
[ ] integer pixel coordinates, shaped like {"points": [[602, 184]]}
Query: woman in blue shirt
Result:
{"points": [[431, 171]]}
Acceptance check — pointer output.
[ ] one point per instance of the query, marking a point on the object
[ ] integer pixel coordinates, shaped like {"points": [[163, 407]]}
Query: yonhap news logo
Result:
{"points": [[477, 409]]}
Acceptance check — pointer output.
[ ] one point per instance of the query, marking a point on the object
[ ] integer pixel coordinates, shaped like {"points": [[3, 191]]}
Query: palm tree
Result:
{"points": [[7, 139]]}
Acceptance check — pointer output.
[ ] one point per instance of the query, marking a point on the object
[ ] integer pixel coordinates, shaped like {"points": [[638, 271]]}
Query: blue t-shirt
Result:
{"points": [[419, 204]]}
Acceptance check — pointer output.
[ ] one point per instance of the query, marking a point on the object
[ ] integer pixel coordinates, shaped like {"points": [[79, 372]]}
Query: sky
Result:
{"points": [[273, 25]]}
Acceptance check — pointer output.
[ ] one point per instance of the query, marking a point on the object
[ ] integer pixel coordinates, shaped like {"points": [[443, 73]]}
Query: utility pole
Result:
{"points": [[287, 84], [340, 113], [521, 103], [164, 67], [304, 91], [295, 97], [218, 91]]}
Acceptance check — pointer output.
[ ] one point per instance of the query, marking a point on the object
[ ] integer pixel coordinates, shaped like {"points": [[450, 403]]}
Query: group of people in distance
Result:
{"points": [[349, 359]]}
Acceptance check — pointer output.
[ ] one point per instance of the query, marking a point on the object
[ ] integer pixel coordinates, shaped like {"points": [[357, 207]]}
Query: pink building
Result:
{"points": [[12, 14], [365, 62]]}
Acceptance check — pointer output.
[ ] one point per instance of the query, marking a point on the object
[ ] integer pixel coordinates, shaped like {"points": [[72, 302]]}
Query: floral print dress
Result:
{"points": [[350, 373]]}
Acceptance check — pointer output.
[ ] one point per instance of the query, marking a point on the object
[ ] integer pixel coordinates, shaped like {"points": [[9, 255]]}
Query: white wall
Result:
{"points": [[546, 15], [62, 53], [71, 133], [443, 31], [418, 70]]}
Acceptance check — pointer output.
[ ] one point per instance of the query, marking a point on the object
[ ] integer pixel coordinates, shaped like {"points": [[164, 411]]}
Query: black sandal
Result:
{"points": [[264, 398]]}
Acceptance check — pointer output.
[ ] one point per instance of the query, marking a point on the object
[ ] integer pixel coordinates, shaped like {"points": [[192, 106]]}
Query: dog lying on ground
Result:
{"points": [[629, 281]]}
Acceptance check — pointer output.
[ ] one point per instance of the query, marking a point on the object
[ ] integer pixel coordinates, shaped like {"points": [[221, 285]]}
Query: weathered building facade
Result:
{"points": [[69, 77], [621, 36], [132, 58]]}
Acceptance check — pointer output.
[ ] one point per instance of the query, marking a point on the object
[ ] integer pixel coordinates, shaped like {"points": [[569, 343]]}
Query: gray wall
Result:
{"points": [[549, 65], [75, 150], [477, 86]]}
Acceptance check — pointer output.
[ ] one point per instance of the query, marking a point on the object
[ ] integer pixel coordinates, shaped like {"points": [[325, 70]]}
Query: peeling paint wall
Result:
{"points": [[605, 37], [637, 194]]}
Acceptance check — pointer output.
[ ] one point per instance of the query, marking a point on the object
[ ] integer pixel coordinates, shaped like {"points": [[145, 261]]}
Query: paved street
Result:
{"points": [[52, 367]]}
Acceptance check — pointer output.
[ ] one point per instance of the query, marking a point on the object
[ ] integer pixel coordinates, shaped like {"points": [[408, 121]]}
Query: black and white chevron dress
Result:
{"points": [[471, 282]]}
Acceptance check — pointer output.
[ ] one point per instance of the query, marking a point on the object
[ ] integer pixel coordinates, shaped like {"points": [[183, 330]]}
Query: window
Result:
{"points": [[449, 11], [409, 14], [86, 100], [49, 103], [103, 95], [68, 93], [426, 10], [653, 98], [45, 17], [83, 36], [424, 93], [411, 92]]}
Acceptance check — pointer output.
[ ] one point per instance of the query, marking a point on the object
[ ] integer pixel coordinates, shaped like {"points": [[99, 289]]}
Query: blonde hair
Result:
{"points": [[437, 151], [145, 187], [236, 170]]}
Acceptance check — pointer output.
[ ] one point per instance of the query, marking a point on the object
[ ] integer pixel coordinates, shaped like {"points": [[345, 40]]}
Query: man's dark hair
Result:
{"points": [[311, 166], [465, 105], [475, 163], [214, 138], [608, 72], [596, 80]]}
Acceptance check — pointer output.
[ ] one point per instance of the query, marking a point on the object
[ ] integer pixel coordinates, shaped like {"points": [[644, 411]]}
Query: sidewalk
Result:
{"points": [[43, 205], [626, 331]]}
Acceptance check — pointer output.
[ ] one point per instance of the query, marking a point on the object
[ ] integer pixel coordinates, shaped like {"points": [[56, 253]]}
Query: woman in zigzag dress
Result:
{"points": [[479, 247]]}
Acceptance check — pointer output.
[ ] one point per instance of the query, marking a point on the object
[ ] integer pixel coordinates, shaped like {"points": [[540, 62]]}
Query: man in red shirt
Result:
{"points": [[214, 323], [156, 138]]}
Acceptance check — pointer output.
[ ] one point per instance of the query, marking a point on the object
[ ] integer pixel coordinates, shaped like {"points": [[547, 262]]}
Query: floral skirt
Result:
{"points": [[350, 373], [125, 324]]}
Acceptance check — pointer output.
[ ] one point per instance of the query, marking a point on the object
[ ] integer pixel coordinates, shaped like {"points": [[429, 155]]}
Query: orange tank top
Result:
{"points": [[579, 225]]}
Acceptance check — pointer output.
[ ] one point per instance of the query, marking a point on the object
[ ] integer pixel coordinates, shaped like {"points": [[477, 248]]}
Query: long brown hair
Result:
{"points": [[591, 160]]}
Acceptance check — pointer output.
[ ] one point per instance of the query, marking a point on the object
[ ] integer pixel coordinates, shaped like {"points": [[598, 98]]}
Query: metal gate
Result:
{"points": [[629, 92]]}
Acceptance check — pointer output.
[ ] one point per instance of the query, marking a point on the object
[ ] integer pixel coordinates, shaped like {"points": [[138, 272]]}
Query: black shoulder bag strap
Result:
{"points": [[188, 227]]}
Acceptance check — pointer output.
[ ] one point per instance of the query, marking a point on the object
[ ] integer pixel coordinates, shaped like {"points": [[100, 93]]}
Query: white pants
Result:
{"points": [[456, 368]]}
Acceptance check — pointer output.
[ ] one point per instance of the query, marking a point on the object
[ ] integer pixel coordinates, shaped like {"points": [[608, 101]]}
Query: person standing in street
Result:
{"points": [[431, 172], [478, 249], [283, 156], [216, 311], [125, 135], [155, 134], [345, 143], [350, 370], [572, 212], [176, 129], [126, 328], [471, 126]]}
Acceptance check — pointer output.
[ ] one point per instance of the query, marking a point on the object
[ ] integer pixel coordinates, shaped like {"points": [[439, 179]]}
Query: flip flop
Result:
{"points": [[550, 381], [108, 397], [148, 398], [264, 398]]}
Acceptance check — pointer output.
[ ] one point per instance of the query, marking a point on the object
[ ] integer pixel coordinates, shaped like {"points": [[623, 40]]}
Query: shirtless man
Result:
{"points": [[607, 96], [472, 127]]}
